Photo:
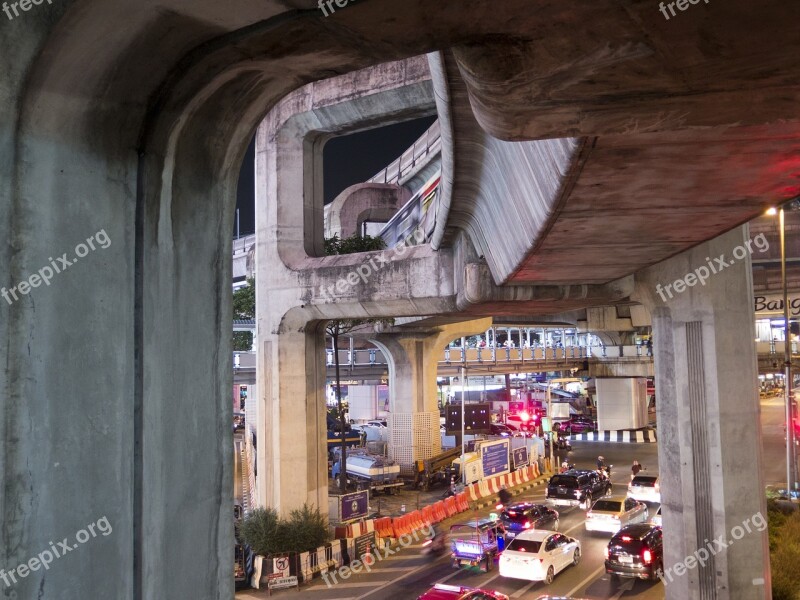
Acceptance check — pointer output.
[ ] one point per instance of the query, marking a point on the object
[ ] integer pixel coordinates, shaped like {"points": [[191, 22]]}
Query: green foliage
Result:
{"points": [[242, 341], [784, 547], [354, 243], [309, 529], [244, 301], [263, 532], [267, 534]]}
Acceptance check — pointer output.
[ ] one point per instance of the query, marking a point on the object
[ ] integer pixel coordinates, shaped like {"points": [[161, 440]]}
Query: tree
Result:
{"points": [[334, 329], [244, 308]]}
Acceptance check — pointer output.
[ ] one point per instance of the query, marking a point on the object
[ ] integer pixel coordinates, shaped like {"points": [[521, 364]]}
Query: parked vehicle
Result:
{"points": [[576, 424], [645, 488], [476, 542], [242, 566], [500, 429], [575, 487], [636, 551], [383, 424], [613, 513], [527, 515], [442, 591], [539, 555]]}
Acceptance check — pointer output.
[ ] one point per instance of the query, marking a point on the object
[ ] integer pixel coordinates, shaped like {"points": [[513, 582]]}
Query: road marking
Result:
{"points": [[519, 592], [585, 581], [582, 523], [625, 587], [395, 580], [342, 585]]}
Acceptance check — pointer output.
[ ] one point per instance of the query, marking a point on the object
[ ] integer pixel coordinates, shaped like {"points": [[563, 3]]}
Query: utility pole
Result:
{"points": [[463, 414], [790, 467]]}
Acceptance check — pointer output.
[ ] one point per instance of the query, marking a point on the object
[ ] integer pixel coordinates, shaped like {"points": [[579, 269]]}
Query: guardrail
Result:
{"points": [[429, 143]]}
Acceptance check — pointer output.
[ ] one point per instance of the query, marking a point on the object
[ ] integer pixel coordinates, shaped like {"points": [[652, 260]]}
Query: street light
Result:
{"points": [[791, 483]]}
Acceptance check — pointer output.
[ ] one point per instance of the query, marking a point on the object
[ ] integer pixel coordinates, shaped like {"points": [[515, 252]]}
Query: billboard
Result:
{"points": [[494, 456], [477, 418]]}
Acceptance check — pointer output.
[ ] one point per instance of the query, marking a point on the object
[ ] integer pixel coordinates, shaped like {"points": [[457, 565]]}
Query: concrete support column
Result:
{"points": [[414, 411], [708, 423], [292, 456], [621, 403], [414, 417]]}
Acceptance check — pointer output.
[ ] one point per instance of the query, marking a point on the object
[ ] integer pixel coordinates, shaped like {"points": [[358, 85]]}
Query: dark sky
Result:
{"points": [[347, 160]]}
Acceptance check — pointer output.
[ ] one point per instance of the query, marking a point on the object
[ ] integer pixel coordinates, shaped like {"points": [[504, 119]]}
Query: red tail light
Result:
{"points": [[527, 524], [647, 556], [605, 551]]}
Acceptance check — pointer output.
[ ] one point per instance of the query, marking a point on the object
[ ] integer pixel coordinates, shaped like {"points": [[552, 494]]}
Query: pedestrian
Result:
{"points": [[635, 469]]}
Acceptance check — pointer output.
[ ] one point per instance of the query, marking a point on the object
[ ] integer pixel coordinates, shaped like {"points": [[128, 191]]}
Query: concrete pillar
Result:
{"points": [[414, 410], [621, 403], [708, 422], [292, 452]]}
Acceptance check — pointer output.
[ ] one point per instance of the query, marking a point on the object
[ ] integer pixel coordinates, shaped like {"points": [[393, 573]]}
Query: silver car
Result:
{"points": [[613, 513], [645, 488]]}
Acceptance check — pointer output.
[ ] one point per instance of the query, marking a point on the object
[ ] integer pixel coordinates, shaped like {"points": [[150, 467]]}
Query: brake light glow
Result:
{"points": [[647, 556], [527, 524], [524, 416], [626, 538], [513, 513], [605, 551]]}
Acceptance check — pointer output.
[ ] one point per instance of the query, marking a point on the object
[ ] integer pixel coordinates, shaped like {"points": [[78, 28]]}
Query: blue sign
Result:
{"points": [[355, 505], [520, 456], [495, 458]]}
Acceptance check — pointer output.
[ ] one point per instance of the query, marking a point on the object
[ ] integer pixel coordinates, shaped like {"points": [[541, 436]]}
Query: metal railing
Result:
{"points": [[429, 143]]}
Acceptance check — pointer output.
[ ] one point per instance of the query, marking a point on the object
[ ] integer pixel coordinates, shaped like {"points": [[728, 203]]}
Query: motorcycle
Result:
{"points": [[563, 444], [605, 472], [435, 545]]}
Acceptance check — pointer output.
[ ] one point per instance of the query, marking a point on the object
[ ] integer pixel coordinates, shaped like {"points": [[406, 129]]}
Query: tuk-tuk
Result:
{"points": [[477, 542]]}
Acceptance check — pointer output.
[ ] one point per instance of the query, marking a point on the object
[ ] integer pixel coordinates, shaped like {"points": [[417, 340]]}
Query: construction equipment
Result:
{"points": [[434, 469]]}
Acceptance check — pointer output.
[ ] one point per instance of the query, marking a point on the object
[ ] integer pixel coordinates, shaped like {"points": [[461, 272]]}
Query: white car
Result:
{"points": [[645, 488], [656, 520], [613, 513], [379, 424], [538, 555]]}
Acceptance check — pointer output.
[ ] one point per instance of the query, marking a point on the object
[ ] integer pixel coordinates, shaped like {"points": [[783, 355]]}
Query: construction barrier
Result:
{"points": [[451, 506], [474, 492], [429, 515]]}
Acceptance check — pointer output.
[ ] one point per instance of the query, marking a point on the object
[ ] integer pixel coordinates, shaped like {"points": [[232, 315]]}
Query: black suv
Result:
{"points": [[527, 515], [576, 486], [636, 551]]}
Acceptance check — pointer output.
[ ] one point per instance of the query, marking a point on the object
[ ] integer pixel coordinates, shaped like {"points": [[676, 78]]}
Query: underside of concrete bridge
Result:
{"points": [[581, 145]]}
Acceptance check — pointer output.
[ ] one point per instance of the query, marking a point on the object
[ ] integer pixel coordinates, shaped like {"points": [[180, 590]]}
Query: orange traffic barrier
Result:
{"points": [[462, 502], [439, 511], [428, 515], [451, 506]]}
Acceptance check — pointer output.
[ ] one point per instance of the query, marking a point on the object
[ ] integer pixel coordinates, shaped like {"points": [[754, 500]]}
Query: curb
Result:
{"points": [[516, 491]]}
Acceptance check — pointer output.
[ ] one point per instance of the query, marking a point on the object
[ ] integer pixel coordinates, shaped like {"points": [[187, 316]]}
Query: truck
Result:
{"points": [[436, 469]]}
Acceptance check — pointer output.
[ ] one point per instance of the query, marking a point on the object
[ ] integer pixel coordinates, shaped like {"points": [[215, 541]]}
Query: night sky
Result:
{"points": [[347, 160]]}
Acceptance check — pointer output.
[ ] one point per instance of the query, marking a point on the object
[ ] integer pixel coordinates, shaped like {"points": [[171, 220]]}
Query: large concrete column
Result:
{"points": [[708, 422], [413, 360], [621, 403]]}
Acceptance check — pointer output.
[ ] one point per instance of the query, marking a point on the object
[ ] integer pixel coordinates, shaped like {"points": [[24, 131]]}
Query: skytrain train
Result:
{"points": [[415, 214]]}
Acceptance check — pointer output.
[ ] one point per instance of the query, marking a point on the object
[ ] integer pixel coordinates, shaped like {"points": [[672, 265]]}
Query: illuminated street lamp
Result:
{"points": [[791, 483]]}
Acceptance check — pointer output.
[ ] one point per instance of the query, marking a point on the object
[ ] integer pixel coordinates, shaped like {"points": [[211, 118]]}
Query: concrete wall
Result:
{"points": [[621, 403]]}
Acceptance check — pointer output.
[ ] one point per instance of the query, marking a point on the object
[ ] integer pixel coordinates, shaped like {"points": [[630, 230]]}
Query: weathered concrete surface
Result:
{"points": [[133, 118], [709, 442], [363, 202]]}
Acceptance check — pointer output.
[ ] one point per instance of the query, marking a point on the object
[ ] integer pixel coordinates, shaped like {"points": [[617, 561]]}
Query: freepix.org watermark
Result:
{"points": [[45, 557], [24, 5], [330, 3], [364, 271], [701, 555], [60, 264], [370, 558], [701, 274], [681, 4]]}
